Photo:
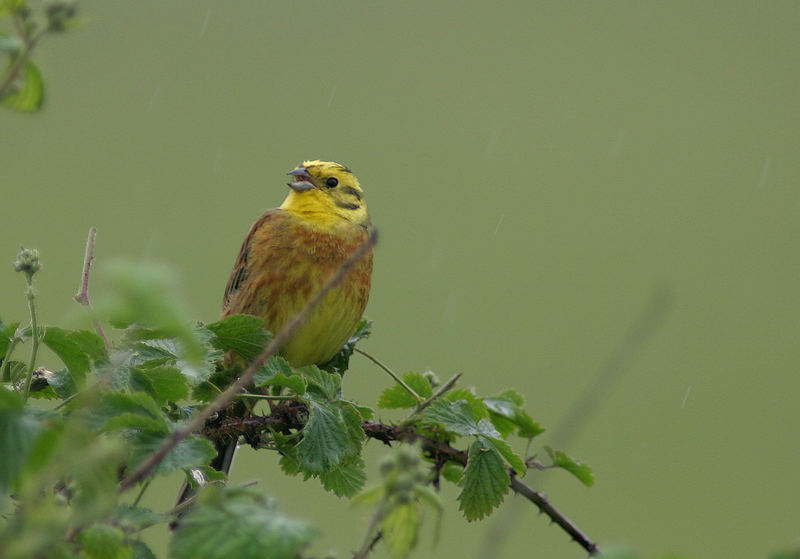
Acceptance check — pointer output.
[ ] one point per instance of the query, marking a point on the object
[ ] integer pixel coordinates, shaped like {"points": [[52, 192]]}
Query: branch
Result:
{"points": [[82, 296], [287, 416], [221, 401]]}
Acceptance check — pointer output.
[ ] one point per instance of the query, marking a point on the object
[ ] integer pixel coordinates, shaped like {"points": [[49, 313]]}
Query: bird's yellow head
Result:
{"points": [[325, 193]]}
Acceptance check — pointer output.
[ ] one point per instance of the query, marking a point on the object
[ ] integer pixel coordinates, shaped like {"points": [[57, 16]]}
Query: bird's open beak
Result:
{"points": [[302, 180]]}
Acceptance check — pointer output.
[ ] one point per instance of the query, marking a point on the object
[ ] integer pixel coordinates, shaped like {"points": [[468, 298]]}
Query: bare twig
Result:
{"points": [[392, 374], [221, 401], [82, 296]]}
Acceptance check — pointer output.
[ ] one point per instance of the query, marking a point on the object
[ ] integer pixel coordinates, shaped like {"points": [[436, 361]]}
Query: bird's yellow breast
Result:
{"points": [[285, 261]]}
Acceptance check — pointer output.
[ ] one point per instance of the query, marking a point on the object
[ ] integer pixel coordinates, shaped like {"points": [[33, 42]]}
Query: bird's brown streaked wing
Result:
{"points": [[241, 271]]}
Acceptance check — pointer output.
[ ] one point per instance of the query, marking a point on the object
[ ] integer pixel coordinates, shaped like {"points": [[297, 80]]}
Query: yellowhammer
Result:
{"points": [[287, 256]]}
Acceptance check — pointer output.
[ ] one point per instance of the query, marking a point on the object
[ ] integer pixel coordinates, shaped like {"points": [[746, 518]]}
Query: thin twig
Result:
{"points": [[14, 69], [369, 540], [391, 373], [446, 387], [221, 401], [82, 296]]}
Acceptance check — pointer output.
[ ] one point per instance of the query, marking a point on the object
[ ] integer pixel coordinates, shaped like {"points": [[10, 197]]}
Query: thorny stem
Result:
{"points": [[391, 373], [82, 296], [34, 334], [221, 401], [540, 500]]}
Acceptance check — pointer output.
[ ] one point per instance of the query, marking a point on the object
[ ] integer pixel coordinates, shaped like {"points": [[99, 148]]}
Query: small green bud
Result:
{"points": [[27, 261], [432, 378]]}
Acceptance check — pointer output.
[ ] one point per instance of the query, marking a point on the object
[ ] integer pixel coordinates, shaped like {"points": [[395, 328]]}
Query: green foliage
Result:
{"points": [[21, 82], [238, 523], [580, 470], [397, 397], [122, 404]]}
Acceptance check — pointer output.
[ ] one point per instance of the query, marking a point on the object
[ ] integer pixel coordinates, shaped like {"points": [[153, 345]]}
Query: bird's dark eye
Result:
{"points": [[331, 182]]}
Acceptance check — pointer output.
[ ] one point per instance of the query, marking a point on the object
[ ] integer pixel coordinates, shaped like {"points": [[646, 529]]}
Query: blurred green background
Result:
{"points": [[537, 171]]}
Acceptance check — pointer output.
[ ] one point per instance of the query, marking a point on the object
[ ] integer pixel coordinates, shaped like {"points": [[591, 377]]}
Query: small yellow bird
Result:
{"points": [[287, 256], [292, 250]]}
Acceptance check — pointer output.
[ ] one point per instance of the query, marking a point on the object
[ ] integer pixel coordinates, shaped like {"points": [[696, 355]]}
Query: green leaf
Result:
{"points": [[456, 417], [485, 481], [278, 372], [345, 480], [239, 526], [78, 350], [103, 541], [28, 94], [331, 435], [18, 431], [62, 383], [164, 383], [322, 384], [505, 410], [396, 397], [146, 295], [242, 333], [133, 519], [189, 453], [476, 405], [17, 370], [400, 528], [580, 470], [142, 551], [6, 334], [138, 403], [513, 459], [452, 472], [340, 362]]}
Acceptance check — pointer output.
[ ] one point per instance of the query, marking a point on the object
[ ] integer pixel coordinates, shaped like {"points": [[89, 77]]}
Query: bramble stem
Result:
{"points": [[82, 296], [34, 334], [389, 372], [218, 403]]}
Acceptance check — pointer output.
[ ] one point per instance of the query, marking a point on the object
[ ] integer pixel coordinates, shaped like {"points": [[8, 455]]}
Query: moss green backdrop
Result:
{"points": [[537, 171]]}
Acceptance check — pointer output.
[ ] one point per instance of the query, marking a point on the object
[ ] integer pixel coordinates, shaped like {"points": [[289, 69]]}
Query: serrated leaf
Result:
{"points": [[485, 481], [242, 333], [240, 527], [397, 397], [278, 372], [102, 541], [17, 370], [117, 403], [400, 528], [322, 384], [580, 470], [476, 405], [164, 383], [28, 94], [329, 436], [78, 350], [340, 362], [345, 480], [511, 457], [456, 417], [128, 420]]}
